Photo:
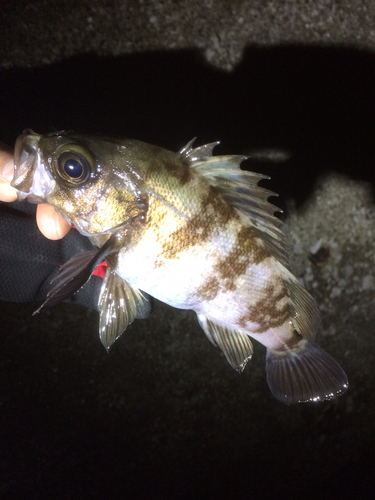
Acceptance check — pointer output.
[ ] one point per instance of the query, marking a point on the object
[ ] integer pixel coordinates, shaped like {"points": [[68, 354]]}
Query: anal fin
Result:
{"points": [[235, 344]]}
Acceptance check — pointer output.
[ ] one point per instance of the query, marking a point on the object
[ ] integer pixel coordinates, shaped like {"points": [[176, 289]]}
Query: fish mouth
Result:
{"points": [[25, 166], [25, 153]]}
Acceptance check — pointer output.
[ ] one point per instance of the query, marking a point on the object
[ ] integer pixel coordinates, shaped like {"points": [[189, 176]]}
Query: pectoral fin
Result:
{"points": [[235, 344], [74, 273], [119, 304]]}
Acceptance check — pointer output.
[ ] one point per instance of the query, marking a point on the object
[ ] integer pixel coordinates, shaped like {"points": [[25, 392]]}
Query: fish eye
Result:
{"points": [[73, 168], [73, 164]]}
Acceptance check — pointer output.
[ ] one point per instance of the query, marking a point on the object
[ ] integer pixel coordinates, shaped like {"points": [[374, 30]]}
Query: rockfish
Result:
{"points": [[194, 231]]}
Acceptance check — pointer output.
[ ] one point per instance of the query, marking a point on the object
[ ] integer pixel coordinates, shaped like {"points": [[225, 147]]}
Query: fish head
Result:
{"points": [[88, 180]]}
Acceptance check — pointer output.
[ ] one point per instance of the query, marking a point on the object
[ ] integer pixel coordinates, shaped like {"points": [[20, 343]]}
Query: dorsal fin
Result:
{"points": [[195, 154], [241, 189], [304, 312]]}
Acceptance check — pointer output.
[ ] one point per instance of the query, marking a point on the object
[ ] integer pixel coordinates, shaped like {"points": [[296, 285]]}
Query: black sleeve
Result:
{"points": [[29, 261]]}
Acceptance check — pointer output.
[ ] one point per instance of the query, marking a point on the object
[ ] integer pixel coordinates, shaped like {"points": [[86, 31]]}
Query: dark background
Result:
{"points": [[163, 415], [317, 103]]}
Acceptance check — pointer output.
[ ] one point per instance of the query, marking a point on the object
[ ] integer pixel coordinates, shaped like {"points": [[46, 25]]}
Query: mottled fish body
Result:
{"points": [[194, 231]]}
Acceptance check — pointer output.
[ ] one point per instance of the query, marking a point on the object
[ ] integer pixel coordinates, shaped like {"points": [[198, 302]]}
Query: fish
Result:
{"points": [[191, 229]]}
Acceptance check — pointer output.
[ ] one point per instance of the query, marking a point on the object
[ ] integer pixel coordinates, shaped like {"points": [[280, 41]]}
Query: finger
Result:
{"points": [[7, 193], [50, 223]]}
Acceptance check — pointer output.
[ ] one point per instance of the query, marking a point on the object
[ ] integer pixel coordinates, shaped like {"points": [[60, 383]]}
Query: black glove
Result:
{"points": [[29, 261]]}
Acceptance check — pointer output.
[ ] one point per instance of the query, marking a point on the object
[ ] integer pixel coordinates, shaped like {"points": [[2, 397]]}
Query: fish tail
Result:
{"points": [[304, 374]]}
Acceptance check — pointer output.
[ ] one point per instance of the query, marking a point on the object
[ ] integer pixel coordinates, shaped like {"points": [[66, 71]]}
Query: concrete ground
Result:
{"points": [[163, 415]]}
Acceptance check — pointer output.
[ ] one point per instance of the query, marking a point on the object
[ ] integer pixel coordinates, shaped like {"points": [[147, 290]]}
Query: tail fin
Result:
{"points": [[309, 374]]}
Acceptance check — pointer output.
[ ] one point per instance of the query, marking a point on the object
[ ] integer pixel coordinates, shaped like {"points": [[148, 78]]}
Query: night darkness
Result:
{"points": [[163, 416]]}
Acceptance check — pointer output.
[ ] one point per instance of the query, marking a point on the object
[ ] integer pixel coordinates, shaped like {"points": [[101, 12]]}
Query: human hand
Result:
{"points": [[7, 193], [50, 223]]}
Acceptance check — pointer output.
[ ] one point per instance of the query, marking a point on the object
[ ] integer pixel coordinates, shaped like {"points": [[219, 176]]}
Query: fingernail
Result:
{"points": [[8, 170]]}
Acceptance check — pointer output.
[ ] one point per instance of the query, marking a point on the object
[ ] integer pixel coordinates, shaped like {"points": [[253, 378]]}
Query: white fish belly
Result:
{"points": [[183, 282], [174, 281]]}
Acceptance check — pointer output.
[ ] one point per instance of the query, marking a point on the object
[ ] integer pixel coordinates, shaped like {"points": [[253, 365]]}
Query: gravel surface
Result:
{"points": [[44, 31]]}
